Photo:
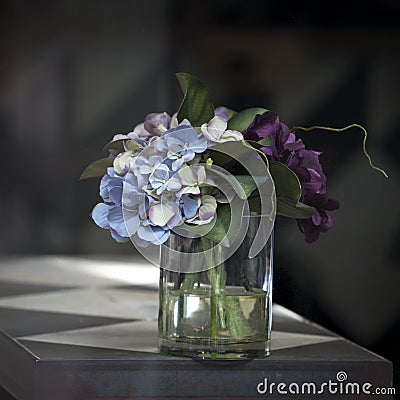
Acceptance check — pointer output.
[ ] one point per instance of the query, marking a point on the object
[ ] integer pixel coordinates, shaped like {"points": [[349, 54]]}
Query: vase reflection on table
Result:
{"points": [[224, 312]]}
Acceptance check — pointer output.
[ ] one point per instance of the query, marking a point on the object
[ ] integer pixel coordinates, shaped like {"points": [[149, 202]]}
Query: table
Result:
{"points": [[86, 328]]}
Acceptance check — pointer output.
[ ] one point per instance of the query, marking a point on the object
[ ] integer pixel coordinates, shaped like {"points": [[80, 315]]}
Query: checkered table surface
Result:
{"points": [[85, 328]]}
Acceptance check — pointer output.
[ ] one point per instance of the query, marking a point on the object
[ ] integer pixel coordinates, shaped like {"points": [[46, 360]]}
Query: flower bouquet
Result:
{"points": [[198, 193]]}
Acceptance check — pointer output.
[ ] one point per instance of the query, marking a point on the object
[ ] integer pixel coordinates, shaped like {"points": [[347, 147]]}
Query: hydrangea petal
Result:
{"points": [[223, 112], [207, 212], [155, 235], [157, 123], [316, 218], [177, 164], [231, 136], [117, 237], [131, 197], [100, 214], [217, 126], [122, 162], [215, 131], [187, 176], [139, 132], [201, 175], [161, 213], [190, 206], [116, 220], [139, 242], [176, 219], [173, 184], [132, 223], [116, 194]]}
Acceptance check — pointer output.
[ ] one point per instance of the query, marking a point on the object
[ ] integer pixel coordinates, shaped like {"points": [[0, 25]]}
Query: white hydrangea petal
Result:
{"points": [[234, 135], [185, 122], [174, 121], [217, 126], [208, 199], [122, 162], [160, 214], [187, 176], [207, 212], [189, 190], [201, 175], [174, 184], [206, 134]]}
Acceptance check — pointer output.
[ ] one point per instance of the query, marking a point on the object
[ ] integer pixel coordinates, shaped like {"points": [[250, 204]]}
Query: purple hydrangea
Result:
{"points": [[289, 150], [157, 123], [321, 221], [224, 112]]}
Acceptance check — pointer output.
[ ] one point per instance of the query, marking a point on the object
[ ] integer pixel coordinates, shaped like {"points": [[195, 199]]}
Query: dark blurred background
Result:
{"points": [[74, 73]]}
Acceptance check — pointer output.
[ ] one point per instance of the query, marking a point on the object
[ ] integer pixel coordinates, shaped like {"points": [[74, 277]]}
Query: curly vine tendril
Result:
{"points": [[364, 145]]}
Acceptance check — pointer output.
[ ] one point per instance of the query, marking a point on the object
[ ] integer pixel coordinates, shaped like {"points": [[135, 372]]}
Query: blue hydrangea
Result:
{"points": [[108, 215], [181, 144], [162, 179], [188, 206], [158, 192]]}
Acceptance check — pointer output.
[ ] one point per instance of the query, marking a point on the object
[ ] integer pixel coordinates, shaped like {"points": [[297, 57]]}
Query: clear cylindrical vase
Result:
{"points": [[222, 312]]}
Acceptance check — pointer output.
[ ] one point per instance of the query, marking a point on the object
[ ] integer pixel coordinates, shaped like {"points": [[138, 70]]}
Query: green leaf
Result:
{"points": [[286, 181], [122, 145], [290, 209], [221, 159], [200, 230], [196, 105], [243, 119], [235, 184], [288, 192], [249, 183], [228, 224], [267, 141], [255, 204], [244, 185], [224, 228], [219, 226], [115, 145], [220, 229], [97, 168], [131, 145], [254, 144]]}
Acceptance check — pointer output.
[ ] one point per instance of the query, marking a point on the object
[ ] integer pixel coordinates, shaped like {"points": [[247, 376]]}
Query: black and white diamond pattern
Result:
{"points": [[91, 320]]}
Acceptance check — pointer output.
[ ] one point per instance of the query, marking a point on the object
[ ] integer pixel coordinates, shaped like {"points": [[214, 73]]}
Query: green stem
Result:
{"points": [[226, 307], [237, 324], [213, 276], [214, 327], [364, 143], [217, 276], [189, 281]]}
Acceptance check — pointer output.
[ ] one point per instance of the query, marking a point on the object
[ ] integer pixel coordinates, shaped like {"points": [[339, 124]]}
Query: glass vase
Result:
{"points": [[222, 312]]}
